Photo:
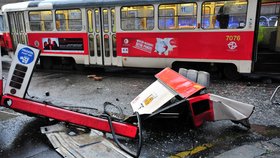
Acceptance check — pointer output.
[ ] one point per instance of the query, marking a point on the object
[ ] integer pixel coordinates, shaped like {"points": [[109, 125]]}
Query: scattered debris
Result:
{"points": [[71, 133], [91, 76], [95, 77], [98, 78]]}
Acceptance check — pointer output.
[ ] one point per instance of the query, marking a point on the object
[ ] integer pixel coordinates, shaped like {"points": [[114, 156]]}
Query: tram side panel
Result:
{"points": [[220, 47]]}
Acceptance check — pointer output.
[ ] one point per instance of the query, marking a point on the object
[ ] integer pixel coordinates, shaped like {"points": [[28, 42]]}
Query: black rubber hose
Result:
{"points": [[113, 105], [140, 143]]}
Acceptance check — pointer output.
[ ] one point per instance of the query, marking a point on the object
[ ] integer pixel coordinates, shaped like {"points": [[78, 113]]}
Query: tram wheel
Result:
{"points": [[46, 62], [79, 67], [231, 73]]}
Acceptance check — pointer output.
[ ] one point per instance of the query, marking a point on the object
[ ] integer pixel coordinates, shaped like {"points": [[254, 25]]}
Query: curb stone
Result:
{"points": [[263, 149]]}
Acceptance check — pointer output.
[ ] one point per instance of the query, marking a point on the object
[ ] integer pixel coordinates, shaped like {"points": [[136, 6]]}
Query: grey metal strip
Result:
{"points": [[81, 145]]}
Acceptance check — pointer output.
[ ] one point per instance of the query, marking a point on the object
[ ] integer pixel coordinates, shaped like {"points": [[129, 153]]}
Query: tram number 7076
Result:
{"points": [[233, 38]]}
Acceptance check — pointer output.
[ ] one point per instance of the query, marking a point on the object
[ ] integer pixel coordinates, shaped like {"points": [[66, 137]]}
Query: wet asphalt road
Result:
{"points": [[20, 136]]}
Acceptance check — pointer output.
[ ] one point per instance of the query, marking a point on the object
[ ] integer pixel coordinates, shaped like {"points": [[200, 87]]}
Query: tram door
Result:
{"points": [[102, 36], [267, 57], [17, 28]]}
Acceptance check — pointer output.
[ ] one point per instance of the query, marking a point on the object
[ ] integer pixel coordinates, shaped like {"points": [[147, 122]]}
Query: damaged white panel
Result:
{"points": [[81, 144], [152, 98], [228, 109]]}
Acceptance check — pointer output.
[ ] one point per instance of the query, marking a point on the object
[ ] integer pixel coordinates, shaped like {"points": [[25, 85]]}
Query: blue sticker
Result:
{"points": [[26, 55]]}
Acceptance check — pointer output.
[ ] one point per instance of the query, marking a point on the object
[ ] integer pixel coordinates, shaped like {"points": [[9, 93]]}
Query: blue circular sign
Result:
{"points": [[25, 55]]}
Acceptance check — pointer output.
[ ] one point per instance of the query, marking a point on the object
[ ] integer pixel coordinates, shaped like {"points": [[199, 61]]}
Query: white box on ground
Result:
{"points": [[152, 98]]}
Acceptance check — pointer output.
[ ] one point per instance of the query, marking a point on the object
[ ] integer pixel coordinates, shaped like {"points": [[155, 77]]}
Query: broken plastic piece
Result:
{"points": [[228, 109]]}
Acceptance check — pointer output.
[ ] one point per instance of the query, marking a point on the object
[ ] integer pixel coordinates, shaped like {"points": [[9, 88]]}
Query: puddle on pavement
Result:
{"points": [[266, 131], [21, 137], [230, 138]]}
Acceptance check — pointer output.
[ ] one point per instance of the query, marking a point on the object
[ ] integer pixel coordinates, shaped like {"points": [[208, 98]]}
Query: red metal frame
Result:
{"points": [[60, 114], [204, 116]]}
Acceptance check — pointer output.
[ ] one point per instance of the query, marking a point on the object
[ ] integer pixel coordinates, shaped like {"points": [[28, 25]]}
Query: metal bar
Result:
{"points": [[60, 114], [273, 95]]}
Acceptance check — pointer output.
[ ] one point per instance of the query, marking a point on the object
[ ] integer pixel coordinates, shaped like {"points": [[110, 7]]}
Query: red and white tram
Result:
{"points": [[4, 36], [222, 35]]}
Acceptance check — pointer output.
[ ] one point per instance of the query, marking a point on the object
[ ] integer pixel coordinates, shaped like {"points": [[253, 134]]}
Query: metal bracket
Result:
{"points": [[273, 96]]}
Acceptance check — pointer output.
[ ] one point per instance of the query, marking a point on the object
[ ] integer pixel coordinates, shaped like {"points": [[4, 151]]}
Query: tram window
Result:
{"points": [[107, 46], [137, 18], [105, 20], [97, 20], [98, 45], [269, 14], [114, 42], [91, 44], [12, 23], [224, 14], [2, 24], [68, 20], [21, 22], [177, 16], [90, 22], [41, 20], [113, 20]]}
